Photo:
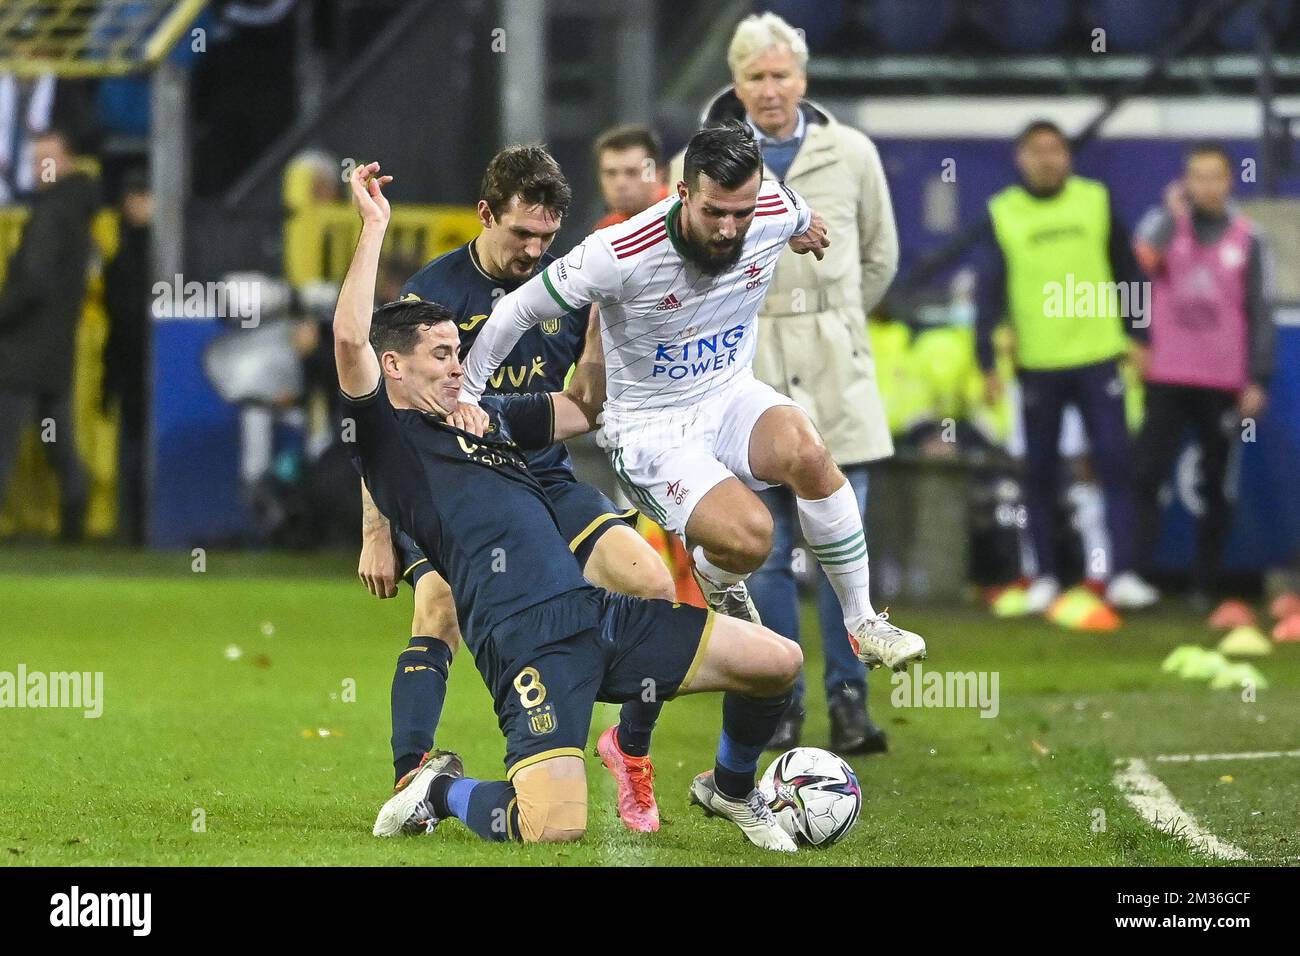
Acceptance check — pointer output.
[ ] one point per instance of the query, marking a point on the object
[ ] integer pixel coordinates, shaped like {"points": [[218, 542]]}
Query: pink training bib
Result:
{"points": [[1198, 322]]}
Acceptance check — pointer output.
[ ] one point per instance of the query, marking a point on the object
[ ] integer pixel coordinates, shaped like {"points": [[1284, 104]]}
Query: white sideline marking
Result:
{"points": [[1152, 799], [1249, 755]]}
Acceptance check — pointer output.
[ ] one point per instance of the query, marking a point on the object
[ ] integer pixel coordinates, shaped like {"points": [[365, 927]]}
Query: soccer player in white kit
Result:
{"points": [[690, 431]]}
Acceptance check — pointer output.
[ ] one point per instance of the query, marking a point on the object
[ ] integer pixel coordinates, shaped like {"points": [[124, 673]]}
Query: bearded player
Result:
{"points": [[690, 431]]}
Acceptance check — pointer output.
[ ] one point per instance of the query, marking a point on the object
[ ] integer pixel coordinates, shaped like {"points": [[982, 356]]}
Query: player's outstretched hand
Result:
{"points": [[367, 191], [378, 566], [815, 239], [469, 418]]}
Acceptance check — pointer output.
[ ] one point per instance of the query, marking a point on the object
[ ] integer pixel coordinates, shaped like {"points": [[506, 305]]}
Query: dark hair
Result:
{"points": [[395, 326], [1042, 126], [727, 153], [1207, 147], [630, 137], [529, 172]]}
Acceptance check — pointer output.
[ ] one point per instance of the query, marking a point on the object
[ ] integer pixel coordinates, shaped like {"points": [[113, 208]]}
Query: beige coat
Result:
{"points": [[812, 342]]}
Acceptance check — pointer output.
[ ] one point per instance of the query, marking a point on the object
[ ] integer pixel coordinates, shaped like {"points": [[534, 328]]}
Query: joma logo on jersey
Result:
{"points": [[696, 357], [519, 375]]}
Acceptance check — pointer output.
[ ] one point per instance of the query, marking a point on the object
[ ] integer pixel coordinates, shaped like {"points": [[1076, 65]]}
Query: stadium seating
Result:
{"points": [[1025, 26], [912, 26], [1136, 27], [1238, 31]]}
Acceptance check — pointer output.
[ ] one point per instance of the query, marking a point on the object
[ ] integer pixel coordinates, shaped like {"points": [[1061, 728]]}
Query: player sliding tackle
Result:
{"points": [[546, 642], [690, 432]]}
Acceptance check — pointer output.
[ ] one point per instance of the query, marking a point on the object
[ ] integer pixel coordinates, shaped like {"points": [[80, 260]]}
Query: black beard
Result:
{"points": [[710, 262]]}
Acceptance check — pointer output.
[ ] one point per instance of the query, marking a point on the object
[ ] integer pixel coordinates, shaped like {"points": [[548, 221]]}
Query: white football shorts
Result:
{"points": [[667, 460]]}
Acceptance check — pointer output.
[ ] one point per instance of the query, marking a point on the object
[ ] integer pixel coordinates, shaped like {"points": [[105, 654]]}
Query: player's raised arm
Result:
{"points": [[358, 367], [586, 275]]}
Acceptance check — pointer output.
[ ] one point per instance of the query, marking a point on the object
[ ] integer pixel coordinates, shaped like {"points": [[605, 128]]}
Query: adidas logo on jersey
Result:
{"points": [[668, 303]]}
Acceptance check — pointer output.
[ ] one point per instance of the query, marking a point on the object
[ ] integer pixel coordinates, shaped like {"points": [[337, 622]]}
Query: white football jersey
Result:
{"points": [[672, 334]]}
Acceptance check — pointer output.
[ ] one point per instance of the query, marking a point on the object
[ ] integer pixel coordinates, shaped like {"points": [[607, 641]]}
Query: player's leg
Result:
{"points": [[65, 459], [776, 595], [844, 676], [545, 802], [1043, 397], [420, 680], [784, 447], [1216, 424], [669, 649], [1099, 391], [615, 557], [545, 700], [689, 492], [17, 409], [1154, 456], [624, 562]]}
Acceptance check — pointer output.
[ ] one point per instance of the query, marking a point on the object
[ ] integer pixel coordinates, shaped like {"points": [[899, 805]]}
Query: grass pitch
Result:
{"points": [[245, 721]]}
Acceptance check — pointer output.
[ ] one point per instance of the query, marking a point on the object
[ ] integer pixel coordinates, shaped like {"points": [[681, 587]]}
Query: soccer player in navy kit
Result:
{"points": [[523, 199], [547, 643]]}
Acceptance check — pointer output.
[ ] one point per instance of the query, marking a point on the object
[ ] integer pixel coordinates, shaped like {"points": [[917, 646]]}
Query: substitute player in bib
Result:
{"points": [[523, 199], [547, 643], [690, 431]]}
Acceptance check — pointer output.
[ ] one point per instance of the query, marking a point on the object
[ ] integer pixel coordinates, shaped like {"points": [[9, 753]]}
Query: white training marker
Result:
{"points": [[1157, 805], [1248, 755]]}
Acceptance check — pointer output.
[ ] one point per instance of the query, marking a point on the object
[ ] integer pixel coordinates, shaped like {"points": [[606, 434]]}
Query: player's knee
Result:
{"points": [[552, 801], [809, 463], [750, 540], [655, 581], [435, 612], [786, 663]]}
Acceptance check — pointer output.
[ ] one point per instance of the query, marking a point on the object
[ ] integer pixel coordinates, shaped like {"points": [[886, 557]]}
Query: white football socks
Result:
{"points": [[719, 576], [833, 529]]}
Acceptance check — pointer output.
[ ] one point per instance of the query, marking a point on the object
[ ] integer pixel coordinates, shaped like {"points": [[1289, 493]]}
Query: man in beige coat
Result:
{"points": [[813, 343]]}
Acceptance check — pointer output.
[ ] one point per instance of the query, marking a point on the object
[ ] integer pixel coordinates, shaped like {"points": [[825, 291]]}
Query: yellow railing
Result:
{"points": [[319, 237], [91, 38]]}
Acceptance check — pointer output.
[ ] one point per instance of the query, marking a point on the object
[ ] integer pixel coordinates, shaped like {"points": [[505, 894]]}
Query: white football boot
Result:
{"points": [[1041, 593], [1128, 592], [881, 644], [408, 810], [752, 814], [733, 601]]}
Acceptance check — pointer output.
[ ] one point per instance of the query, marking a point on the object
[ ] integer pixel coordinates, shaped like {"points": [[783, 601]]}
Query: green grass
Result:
{"points": [[186, 729]]}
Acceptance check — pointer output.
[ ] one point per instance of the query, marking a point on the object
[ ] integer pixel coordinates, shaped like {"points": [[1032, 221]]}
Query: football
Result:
{"points": [[814, 794]]}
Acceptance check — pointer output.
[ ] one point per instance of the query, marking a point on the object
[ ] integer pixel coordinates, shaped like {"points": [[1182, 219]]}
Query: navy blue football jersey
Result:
{"points": [[471, 504], [538, 363]]}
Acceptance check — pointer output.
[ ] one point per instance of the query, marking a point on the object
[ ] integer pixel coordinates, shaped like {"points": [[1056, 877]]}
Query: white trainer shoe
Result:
{"points": [[408, 810], [1041, 593], [754, 817], [733, 601], [879, 643], [1128, 592]]}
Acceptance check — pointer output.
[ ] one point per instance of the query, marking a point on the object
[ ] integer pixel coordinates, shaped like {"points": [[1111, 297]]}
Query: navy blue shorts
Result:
{"points": [[547, 665], [585, 513]]}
